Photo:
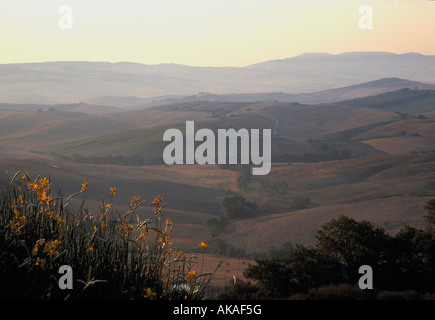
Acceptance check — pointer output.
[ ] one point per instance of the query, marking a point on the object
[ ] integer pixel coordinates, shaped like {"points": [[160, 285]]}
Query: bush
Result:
{"points": [[222, 247], [240, 291], [237, 207], [216, 226], [402, 264], [336, 292], [112, 255]]}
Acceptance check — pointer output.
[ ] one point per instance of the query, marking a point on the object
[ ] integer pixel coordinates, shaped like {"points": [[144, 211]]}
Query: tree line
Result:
{"points": [[329, 267]]}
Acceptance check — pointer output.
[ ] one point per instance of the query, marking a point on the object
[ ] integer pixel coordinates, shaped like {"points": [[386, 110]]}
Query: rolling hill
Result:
{"points": [[405, 101], [388, 190], [362, 126], [325, 96], [74, 81], [386, 177]]}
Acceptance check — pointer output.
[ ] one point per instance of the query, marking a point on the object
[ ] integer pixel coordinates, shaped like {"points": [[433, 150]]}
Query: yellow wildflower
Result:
{"points": [[85, 185], [112, 192], [126, 228], [51, 247], [156, 202], [203, 245], [35, 250], [45, 184], [41, 190], [134, 202], [149, 294], [57, 218], [32, 186], [143, 233], [44, 198], [191, 276], [38, 243], [40, 262], [17, 222]]}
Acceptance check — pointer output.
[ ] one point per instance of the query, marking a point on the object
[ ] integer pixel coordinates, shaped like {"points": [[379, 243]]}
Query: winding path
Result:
{"points": [[275, 126]]}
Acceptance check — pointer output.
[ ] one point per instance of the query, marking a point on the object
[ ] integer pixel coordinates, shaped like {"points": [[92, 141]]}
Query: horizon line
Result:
{"points": [[224, 66]]}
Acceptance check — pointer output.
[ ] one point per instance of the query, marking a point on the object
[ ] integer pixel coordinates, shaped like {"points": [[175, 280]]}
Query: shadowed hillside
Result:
{"points": [[389, 190]]}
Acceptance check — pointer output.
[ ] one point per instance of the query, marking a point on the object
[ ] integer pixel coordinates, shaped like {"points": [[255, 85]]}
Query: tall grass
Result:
{"points": [[113, 255]]}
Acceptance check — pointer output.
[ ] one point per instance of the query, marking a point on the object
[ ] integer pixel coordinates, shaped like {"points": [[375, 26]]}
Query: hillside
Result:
{"points": [[369, 158], [70, 82], [297, 124], [368, 89], [390, 191], [22, 131], [405, 101], [146, 143], [325, 96], [359, 129]]}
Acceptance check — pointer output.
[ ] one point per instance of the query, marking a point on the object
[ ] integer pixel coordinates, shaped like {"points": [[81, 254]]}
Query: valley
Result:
{"points": [[345, 158]]}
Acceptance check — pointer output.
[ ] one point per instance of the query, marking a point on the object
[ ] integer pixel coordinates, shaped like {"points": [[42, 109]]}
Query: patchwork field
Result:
{"points": [[389, 190], [366, 162]]}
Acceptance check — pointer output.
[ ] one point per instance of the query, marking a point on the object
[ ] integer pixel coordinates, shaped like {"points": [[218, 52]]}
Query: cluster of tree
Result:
{"points": [[404, 262], [218, 225], [301, 203], [222, 247], [237, 207]]}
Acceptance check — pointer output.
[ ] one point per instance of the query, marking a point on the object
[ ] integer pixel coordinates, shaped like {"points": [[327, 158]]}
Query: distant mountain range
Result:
{"points": [[307, 78]]}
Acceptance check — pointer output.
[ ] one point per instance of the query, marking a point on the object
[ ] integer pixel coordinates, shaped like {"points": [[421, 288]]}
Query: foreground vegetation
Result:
{"points": [[403, 265], [112, 255], [115, 255]]}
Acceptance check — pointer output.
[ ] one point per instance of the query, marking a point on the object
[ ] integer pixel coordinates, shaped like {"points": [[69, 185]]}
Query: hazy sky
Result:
{"points": [[209, 32]]}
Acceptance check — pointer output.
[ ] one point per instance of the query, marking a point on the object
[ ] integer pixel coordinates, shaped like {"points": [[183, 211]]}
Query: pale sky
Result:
{"points": [[209, 32]]}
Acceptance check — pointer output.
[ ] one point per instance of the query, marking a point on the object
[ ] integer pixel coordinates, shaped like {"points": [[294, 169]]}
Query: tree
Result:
{"points": [[430, 208], [353, 244], [218, 225], [414, 260], [273, 276], [302, 269], [405, 261], [237, 207]]}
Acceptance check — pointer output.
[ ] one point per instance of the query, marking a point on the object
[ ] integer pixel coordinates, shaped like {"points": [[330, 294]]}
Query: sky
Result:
{"points": [[209, 32]]}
